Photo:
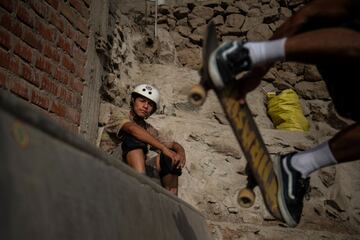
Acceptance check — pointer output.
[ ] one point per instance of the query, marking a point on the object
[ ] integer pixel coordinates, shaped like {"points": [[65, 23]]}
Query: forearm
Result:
{"points": [[317, 14], [176, 147]]}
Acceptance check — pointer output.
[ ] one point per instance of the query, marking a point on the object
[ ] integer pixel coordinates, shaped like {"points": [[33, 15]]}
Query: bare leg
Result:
{"points": [[170, 182], [345, 145], [136, 159]]}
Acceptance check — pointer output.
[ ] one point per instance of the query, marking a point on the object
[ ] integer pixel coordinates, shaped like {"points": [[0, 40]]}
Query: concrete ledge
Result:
{"points": [[54, 185]]}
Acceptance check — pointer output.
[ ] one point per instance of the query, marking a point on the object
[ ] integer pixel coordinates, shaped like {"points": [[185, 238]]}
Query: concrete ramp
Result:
{"points": [[54, 185]]}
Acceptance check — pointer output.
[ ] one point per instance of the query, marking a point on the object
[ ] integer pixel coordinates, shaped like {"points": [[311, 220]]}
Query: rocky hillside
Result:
{"points": [[215, 164]]}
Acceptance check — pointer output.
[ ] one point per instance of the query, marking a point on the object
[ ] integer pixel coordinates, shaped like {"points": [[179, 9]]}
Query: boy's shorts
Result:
{"points": [[131, 143], [342, 85], [342, 82]]}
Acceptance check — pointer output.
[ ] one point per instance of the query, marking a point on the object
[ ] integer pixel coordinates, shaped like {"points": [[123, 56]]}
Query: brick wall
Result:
{"points": [[43, 46]]}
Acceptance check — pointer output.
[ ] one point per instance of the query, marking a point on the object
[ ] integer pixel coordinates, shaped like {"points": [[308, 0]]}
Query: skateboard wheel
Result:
{"points": [[197, 95], [246, 198]]}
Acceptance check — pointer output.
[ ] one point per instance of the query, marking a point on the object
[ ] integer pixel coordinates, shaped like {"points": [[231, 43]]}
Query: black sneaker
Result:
{"points": [[292, 189], [225, 62]]}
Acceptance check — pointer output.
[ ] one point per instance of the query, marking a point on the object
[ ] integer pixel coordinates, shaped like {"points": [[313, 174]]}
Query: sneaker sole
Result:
{"points": [[281, 198]]}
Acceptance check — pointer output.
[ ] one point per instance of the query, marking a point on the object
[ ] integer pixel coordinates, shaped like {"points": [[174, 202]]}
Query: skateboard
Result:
{"points": [[259, 170]]}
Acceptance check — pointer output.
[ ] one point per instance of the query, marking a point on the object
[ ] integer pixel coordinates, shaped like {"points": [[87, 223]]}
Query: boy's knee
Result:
{"points": [[166, 167]]}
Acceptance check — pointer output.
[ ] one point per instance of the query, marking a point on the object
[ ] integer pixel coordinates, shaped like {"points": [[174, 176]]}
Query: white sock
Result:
{"points": [[266, 51], [313, 159]]}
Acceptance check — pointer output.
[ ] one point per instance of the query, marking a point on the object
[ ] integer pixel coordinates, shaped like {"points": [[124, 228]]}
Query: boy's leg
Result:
{"points": [[136, 159], [293, 169], [170, 182], [346, 144], [169, 174]]}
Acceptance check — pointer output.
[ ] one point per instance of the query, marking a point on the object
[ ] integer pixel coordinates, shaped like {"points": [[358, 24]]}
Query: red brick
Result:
{"points": [[23, 51], [6, 21], [3, 78], [67, 12], [53, 3], [79, 55], [65, 95], [80, 71], [80, 7], [81, 24], [24, 15], [68, 63], [7, 4], [73, 115], [39, 7], [65, 44], [70, 32], [81, 41], [28, 74], [14, 65], [76, 85], [5, 39], [17, 28], [39, 99], [44, 64], [58, 108], [77, 100], [66, 77], [31, 39], [68, 125], [46, 31], [4, 59], [38, 76], [51, 52], [20, 89], [87, 2], [61, 76], [57, 21], [49, 85]]}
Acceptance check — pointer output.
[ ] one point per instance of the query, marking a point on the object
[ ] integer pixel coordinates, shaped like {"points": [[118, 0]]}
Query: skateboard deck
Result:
{"points": [[260, 169]]}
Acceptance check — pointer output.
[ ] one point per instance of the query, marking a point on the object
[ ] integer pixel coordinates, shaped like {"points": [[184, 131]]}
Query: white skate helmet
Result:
{"points": [[149, 92]]}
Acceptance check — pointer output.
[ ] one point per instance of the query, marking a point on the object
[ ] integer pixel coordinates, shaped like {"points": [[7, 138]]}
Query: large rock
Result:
{"points": [[181, 12], [184, 31], [235, 20], [312, 90], [218, 20], [195, 22], [311, 74], [180, 41], [250, 23], [204, 12], [190, 58], [259, 32]]}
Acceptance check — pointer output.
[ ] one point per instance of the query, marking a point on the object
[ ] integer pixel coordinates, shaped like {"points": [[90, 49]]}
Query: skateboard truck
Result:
{"points": [[197, 95], [246, 197]]}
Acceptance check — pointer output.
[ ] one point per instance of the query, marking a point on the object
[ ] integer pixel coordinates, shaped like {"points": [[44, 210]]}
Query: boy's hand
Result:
{"points": [[182, 160], [175, 158]]}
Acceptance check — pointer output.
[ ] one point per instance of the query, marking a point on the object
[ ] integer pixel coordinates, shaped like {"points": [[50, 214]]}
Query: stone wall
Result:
{"points": [[235, 20]]}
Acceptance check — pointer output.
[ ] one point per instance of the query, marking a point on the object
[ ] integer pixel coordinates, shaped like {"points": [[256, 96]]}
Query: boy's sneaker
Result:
{"points": [[225, 62], [292, 188]]}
